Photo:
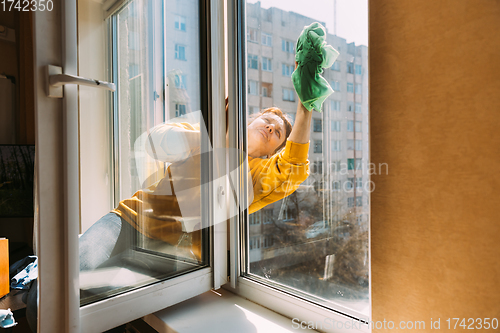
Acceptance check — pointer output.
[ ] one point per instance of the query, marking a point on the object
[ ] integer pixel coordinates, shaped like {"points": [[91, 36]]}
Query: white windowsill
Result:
{"points": [[219, 312]]}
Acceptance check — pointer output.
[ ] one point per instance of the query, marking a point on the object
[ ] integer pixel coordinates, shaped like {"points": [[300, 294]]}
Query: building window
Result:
{"points": [[252, 35], [268, 241], [253, 61], [336, 145], [350, 164], [350, 68], [350, 126], [267, 89], [287, 46], [358, 89], [264, 92], [335, 166], [317, 167], [180, 109], [336, 126], [350, 87], [335, 85], [358, 69], [318, 146], [349, 183], [359, 144], [180, 23], [358, 107], [180, 52], [288, 95], [266, 39], [253, 87], [359, 183], [350, 144], [335, 105], [358, 126], [255, 218], [287, 70], [267, 64], [267, 216], [317, 125], [180, 81], [359, 201], [336, 66], [336, 185], [254, 243], [350, 106]]}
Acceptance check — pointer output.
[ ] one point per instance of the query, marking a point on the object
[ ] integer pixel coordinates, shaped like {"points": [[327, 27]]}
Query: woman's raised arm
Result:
{"points": [[301, 130]]}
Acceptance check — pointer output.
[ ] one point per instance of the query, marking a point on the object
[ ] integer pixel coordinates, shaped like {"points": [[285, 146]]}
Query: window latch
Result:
{"points": [[55, 79]]}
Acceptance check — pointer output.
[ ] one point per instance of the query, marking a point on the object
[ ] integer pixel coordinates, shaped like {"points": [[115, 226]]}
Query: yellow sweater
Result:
{"points": [[279, 176], [155, 211]]}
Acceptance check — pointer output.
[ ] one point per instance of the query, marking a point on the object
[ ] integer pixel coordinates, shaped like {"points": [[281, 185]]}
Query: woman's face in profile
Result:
{"points": [[265, 134]]}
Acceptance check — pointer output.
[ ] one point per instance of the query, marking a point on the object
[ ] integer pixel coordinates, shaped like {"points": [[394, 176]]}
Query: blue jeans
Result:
{"points": [[109, 236]]}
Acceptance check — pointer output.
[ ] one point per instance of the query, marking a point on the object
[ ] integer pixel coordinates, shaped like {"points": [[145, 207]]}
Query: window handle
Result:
{"points": [[56, 79]]}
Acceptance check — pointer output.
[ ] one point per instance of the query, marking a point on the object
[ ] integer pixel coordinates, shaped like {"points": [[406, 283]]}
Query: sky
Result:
{"points": [[352, 15]]}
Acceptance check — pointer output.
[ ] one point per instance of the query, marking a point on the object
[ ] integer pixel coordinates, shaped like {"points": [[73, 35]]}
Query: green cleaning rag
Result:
{"points": [[312, 56]]}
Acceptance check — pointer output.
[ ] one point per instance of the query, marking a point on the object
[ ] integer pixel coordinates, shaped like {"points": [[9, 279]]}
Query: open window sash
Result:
{"points": [[57, 193]]}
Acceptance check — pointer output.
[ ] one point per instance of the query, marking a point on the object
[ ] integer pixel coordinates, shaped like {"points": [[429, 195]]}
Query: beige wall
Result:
{"points": [[435, 119]]}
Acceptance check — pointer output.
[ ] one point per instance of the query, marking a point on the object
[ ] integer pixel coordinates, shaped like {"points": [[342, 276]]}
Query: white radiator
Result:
{"points": [[7, 111]]}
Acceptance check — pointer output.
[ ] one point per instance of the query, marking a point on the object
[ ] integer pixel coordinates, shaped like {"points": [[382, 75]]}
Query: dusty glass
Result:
{"points": [[314, 242], [156, 230]]}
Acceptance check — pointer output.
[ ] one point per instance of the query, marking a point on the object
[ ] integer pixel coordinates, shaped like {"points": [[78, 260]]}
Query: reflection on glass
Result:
{"points": [[156, 230], [314, 242]]}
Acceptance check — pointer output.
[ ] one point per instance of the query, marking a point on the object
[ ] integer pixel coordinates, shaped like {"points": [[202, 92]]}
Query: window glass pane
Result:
{"points": [[253, 61], [335, 85], [358, 89], [335, 105], [267, 39], [156, 230], [252, 35], [350, 68], [350, 106], [358, 69], [314, 241], [266, 64], [317, 125]]}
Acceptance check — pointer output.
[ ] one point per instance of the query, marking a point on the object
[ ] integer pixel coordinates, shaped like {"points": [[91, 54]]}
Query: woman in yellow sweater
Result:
{"points": [[277, 165]]}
